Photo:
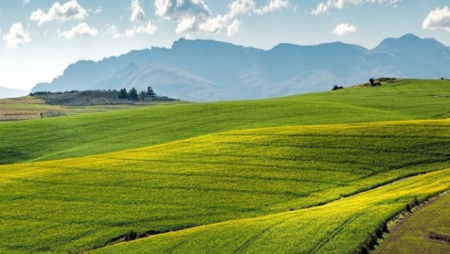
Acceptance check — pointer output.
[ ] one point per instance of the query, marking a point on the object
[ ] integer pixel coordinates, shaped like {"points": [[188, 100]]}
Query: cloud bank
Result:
{"points": [[71, 10], [438, 19], [137, 13], [145, 28], [79, 31], [16, 36], [325, 7], [195, 15]]}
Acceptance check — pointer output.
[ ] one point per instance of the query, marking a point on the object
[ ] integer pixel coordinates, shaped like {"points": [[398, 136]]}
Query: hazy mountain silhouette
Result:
{"points": [[11, 93], [206, 70]]}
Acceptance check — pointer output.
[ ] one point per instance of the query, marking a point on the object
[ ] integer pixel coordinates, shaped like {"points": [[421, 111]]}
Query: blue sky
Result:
{"points": [[39, 38]]}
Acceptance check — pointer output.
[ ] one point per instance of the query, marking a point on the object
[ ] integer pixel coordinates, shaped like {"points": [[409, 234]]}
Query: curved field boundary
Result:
{"points": [[426, 230], [299, 231]]}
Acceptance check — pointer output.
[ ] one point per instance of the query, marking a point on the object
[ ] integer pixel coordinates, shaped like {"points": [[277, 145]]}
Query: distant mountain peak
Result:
{"points": [[399, 44], [410, 37], [204, 70], [407, 42]]}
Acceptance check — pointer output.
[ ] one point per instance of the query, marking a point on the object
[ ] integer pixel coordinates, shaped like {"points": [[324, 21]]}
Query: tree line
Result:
{"points": [[134, 95]]}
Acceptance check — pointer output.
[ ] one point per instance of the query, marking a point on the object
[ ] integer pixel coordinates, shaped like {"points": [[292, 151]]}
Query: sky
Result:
{"points": [[40, 38]]}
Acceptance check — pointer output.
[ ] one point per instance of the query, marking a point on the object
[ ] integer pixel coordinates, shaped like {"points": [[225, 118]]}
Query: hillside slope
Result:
{"points": [[77, 204], [426, 231], [337, 227], [74, 136]]}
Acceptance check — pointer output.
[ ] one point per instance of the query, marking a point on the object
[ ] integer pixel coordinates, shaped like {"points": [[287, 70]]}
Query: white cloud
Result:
{"points": [[191, 15], [25, 2], [273, 5], [68, 11], [81, 30], [241, 7], [234, 28], [195, 16], [325, 7], [98, 10], [137, 13], [112, 30], [213, 25], [16, 36], [129, 33], [175, 10], [344, 28], [438, 19], [145, 28]]}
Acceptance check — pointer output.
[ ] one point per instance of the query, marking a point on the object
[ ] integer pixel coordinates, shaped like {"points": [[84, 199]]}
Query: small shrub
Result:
{"points": [[337, 88], [415, 202], [132, 235], [385, 228], [379, 233]]}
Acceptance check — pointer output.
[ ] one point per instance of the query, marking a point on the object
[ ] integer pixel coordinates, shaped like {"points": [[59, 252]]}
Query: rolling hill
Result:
{"points": [[81, 135], [314, 173], [205, 70], [87, 202]]}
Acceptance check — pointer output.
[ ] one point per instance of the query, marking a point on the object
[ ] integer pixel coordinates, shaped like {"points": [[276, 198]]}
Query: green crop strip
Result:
{"points": [[83, 203]]}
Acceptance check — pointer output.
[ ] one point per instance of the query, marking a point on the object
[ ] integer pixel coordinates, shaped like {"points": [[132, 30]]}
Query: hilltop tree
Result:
{"points": [[142, 94], [150, 92], [133, 95], [123, 93]]}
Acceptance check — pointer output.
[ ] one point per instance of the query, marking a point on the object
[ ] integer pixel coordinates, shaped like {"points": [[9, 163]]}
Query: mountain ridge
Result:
{"points": [[208, 70]]}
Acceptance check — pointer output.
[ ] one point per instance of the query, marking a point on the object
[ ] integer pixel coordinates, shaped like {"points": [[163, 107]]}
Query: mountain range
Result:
{"points": [[207, 70]]}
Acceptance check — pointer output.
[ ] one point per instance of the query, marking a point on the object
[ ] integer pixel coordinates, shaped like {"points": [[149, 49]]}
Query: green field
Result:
{"points": [[31, 107], [337, 227], [84, 135], [427, 231], [309, 174]]}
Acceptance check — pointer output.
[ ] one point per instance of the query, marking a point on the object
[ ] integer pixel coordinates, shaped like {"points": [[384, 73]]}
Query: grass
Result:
{"points": [[29, 108], [82, 135], [426, 231], [311, 173], [337, 227], [82, 203]]}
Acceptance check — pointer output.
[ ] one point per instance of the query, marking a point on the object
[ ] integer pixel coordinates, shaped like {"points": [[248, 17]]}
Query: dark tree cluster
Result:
{"points": [[123, 94], [135, 96], [150, 92], [373, 83], [46, 93], [386, 79], [337, 88]]}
